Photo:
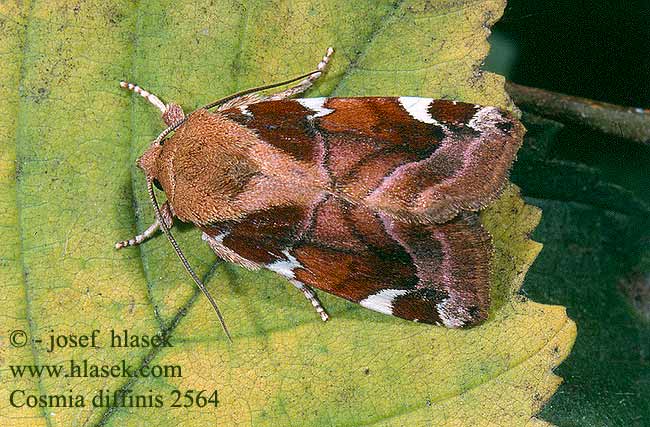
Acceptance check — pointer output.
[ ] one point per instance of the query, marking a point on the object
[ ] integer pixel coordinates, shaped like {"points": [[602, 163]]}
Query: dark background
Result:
{"points": [[595, 194], [596, 49]]}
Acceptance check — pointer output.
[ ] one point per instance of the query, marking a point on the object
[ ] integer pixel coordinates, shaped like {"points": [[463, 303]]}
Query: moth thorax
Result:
{"points": [[220, 173]]}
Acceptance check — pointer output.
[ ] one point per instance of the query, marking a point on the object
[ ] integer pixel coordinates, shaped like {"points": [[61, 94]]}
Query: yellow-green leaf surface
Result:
{"points": [[69, 189]]}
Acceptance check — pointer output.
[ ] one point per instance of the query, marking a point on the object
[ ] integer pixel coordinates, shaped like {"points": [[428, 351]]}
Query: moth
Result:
{"points": [[372, 199]]}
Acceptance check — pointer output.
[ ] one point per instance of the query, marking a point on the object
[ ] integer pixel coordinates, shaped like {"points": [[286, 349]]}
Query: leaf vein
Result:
{"points": [[20, 205]]}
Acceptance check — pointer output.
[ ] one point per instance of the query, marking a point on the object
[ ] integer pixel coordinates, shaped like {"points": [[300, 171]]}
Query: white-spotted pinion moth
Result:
{"points": [[371, 199]]}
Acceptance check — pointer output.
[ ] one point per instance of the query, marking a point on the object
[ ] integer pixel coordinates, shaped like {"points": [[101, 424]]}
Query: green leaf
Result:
{"points": [[70, 190]]}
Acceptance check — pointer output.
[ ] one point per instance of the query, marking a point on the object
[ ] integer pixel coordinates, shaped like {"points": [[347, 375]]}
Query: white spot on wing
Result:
{"points": [[316, 105], [486, 118], [383, 301], [218, 238], [245, 111], [285, 267], [418, 108], [448, 317]]}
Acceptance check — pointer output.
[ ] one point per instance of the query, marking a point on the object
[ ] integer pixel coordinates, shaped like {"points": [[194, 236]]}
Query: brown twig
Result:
{"points": [[610, 119]]}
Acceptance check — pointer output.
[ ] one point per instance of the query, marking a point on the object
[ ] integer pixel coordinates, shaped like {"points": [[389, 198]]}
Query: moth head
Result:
{"points": [[148, 161]]}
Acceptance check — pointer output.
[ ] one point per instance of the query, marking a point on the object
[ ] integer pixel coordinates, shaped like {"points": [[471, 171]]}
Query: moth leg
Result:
{"points": [[305, 84], [312, 298], [228, 254], [171, 113], [151, 230]]}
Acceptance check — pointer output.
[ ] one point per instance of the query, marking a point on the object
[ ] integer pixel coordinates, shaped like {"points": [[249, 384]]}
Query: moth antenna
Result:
{"points": [[257, 89], [153, 99], [176, 125], [186, 264]]}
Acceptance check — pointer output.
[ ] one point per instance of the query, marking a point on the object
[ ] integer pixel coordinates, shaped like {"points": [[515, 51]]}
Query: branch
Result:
{"points": [[610, 119]]}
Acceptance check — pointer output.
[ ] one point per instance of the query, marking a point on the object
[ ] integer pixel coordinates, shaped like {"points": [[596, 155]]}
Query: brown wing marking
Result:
{"points": [[283, 124], [453, 259], [367, 138], [430, 273], [263, 236], [467, 171]]}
